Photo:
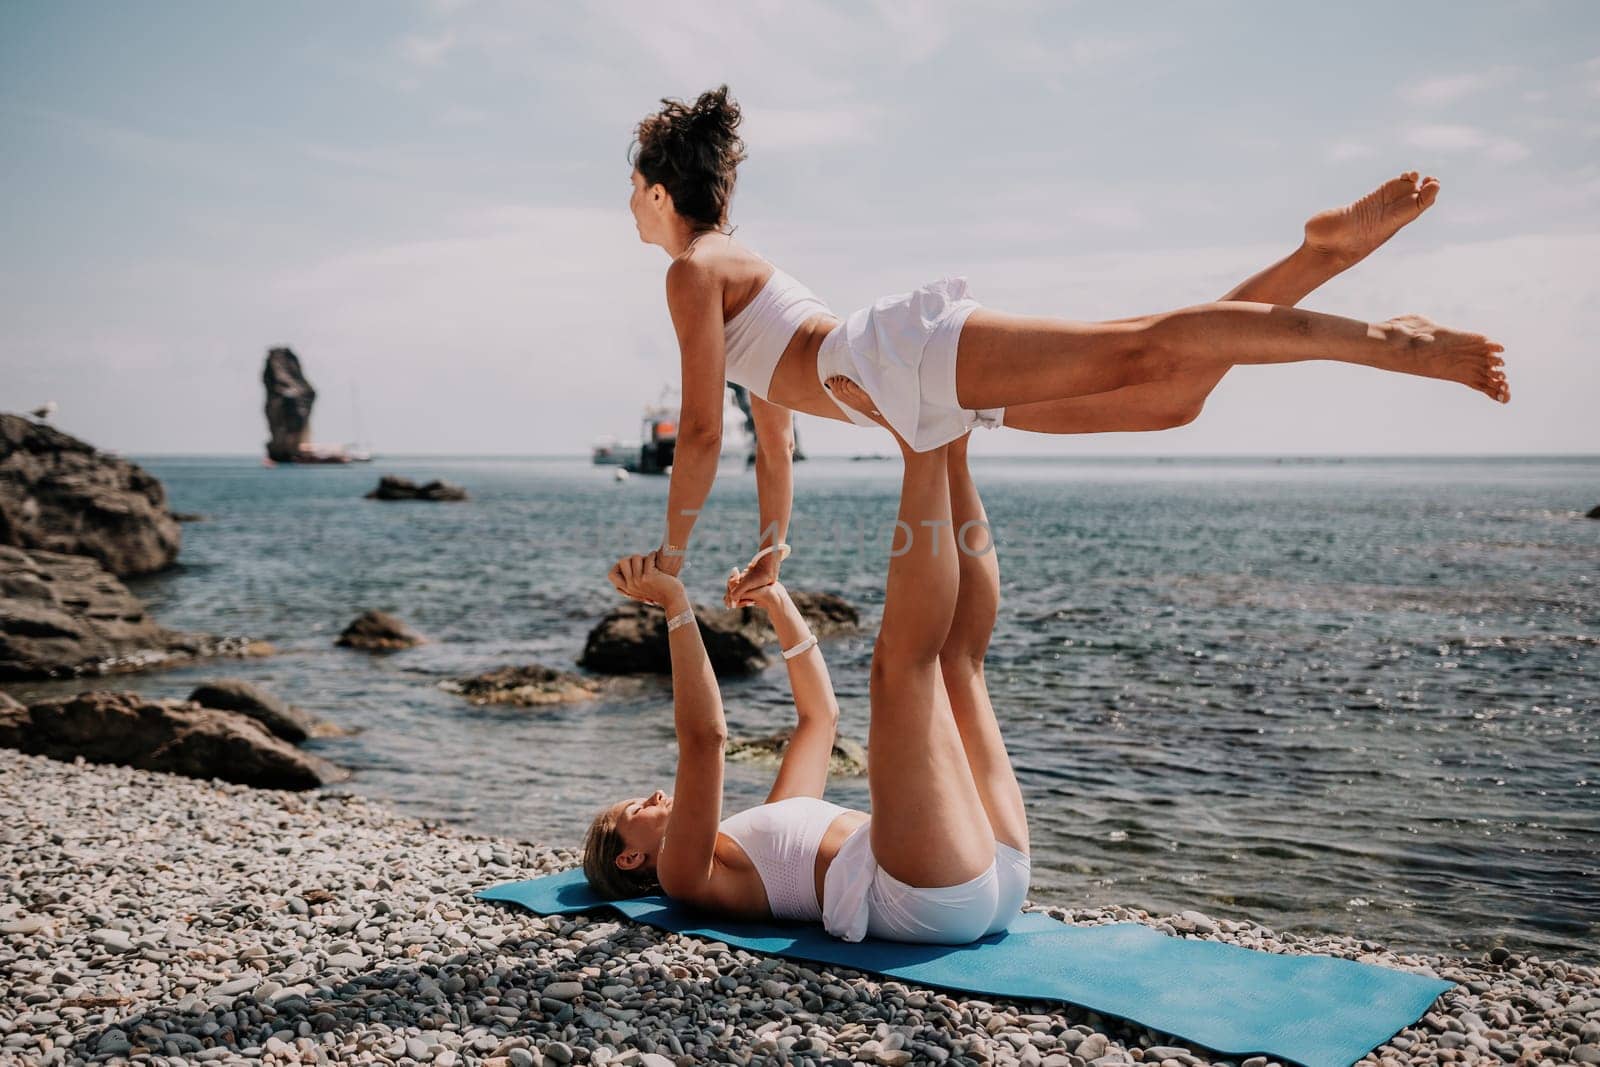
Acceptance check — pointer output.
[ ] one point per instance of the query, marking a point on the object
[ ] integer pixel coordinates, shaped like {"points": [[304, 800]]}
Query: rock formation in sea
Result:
{"points": [[1594, 512], [63, 615], [289, 400], [529, 686], [378, 631], [61, 494], [848, 758], [632, 638], [393, 487], [174, 736]]}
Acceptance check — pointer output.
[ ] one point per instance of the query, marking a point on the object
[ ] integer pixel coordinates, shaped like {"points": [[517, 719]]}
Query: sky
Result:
{"points": [[428, 202]]}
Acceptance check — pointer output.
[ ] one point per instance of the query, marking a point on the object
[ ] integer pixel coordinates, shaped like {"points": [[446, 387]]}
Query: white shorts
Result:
{"points": [[902, 351], [861, 898]]}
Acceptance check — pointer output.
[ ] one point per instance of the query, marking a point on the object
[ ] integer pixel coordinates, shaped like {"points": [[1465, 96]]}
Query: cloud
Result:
{"points": [[1458, 138], [1341, 151], [781, 129], [1435, 92], [427, 51]]}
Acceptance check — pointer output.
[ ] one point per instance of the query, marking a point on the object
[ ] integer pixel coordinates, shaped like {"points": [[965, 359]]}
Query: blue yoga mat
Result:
{"points": [[1315, 1010]]}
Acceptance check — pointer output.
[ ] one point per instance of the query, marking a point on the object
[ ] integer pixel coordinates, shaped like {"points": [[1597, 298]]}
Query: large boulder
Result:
{"points": [[174, 736], [282, 720], [532, 686], [393, 487], [378, 631], [1594, 512], [60, 494], [848, 758], [827, 614], [63, 615], [632, 638]]}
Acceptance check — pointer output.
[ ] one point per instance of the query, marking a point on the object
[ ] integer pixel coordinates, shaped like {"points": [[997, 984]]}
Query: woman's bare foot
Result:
{"points": [[848, 392], [1349, 234], [1434, 351]]}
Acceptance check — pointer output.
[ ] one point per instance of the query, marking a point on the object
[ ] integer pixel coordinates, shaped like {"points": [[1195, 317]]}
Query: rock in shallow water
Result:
{"points": [[378, 631], [847, 759], [531, 686], [62, 616], [632, 638], [392, 487]]}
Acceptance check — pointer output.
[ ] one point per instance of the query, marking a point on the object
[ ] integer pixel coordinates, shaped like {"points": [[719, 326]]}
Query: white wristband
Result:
{"points": [[780, 548], [791, 653], [683, 618]]}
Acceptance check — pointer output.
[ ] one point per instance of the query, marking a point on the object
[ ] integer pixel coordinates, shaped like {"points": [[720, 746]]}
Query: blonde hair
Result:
{"points": [[601, 847]]}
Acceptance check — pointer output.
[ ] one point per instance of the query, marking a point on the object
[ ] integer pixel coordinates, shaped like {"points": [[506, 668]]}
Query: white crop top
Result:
{"points": [[782, 839], [755, 338]]}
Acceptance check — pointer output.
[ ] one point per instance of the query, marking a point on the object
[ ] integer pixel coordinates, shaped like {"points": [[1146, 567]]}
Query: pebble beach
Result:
{"points": [[157, 919]]}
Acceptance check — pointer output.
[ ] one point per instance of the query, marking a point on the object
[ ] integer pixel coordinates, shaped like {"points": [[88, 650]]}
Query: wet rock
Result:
{"points": [[173, 736], [1594, 512], [64, 615], [61, 494], [848, 758], [378, 631], [632, 638], [393, 487], [290, 723], [530, 686]]}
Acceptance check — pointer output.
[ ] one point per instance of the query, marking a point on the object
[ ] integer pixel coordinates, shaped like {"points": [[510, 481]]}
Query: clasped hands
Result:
{"points": [[646, 577]]}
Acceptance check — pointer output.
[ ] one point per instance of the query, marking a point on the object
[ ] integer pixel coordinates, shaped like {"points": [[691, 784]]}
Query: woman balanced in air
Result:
{"points": [[935, 363], [943, 855]]}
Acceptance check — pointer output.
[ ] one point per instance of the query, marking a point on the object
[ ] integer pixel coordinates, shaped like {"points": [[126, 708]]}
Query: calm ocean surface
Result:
{"points": [[1355, 696]]}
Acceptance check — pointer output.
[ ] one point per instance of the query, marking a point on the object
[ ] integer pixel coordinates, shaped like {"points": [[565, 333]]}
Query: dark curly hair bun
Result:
{"points": [[693, 150]]}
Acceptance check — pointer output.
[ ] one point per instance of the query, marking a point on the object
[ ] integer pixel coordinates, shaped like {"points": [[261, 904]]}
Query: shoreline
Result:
{"points": [[200, 921]]}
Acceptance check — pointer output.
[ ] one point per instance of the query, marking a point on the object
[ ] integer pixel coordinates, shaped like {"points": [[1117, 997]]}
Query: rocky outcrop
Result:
{"points": [[827, 614], [378, 631], [60, 494], [289, 400], [847, 759], [66, 615], [174, 736], [392, 487], [1594, 512], [532, 686], [281, 720], [632, 638]]}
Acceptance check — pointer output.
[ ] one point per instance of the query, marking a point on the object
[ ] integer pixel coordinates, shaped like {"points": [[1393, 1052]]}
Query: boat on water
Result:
{"points": [[652, 451]]}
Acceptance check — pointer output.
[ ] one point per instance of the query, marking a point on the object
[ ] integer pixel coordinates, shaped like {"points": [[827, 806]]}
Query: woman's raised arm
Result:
{"points": [[805, 759], [683, 866], [694, 297], [774, 484]]}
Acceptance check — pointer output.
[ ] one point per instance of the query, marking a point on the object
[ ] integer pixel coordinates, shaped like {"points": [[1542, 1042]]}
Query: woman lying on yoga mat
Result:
{"points": [[943, 856], [937, 364]]}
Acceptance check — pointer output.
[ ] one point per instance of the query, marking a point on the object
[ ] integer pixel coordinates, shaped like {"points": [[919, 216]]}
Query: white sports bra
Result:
{"points": [[755, 338], [782, 839]]}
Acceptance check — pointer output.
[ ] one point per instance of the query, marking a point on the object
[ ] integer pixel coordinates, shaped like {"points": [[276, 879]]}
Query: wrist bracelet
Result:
{"points": [[780, 548], [791, 653], [683, 618]]}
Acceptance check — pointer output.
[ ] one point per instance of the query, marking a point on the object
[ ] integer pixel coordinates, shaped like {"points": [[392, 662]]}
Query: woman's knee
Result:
{"points": [[906, 650]]}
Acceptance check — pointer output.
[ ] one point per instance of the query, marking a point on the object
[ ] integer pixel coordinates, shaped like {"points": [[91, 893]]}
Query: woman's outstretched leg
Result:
{"points": [[961, 657], [1334, 241], [928, 826], [1008, 360]]}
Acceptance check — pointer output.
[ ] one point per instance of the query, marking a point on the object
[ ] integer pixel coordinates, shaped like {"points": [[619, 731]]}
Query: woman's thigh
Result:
{"points": [[929, 827], [1005, 360]]}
